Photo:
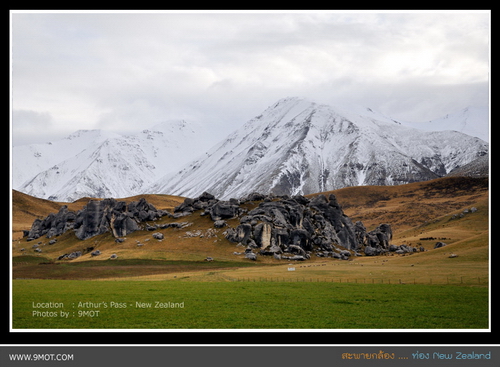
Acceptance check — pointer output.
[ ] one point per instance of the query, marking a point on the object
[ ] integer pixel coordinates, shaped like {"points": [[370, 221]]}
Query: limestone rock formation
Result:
{"points": [[97, 217], [291, 228], [296, 225], [53, 225]]}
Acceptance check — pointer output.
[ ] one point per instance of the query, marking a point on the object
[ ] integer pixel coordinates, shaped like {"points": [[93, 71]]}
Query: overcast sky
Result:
{"points": [[129, 71]]}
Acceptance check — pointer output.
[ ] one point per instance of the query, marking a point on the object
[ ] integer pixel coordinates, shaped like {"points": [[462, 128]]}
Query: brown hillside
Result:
{"points": [[412, 205], [420, 214]]}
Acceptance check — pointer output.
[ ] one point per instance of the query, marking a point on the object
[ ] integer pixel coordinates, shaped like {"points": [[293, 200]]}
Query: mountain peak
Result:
{"points": [[97, 163], [471, 120], [169, 125], [297, 146]]}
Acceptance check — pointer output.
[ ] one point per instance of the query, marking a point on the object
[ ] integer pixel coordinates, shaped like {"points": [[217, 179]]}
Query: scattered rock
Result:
{"points": [[251, 256], [175, 225], [196, 233], [241, 234], [158, 235], [439, 245], [295, 258], [255, 196], [463, 213], [220, 223], [379, 237], [370, 251], [393, 248], [345, 254], [70, 256]]}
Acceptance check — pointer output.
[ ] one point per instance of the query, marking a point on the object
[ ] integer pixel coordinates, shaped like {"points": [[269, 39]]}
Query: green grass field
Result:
{"points": [[245, 305]]}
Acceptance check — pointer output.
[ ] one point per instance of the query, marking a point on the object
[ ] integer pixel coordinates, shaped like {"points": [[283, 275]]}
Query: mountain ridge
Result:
{"points": [[299, 146], [98, 163]]}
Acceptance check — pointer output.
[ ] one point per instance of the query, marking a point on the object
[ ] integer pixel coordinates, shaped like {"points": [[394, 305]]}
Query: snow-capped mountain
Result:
{"points": [[29, 160], [299, 147], [96, 163], [471, 121], [294, 147]]}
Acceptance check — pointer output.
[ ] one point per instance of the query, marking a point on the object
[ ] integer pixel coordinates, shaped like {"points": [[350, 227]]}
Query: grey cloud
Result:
{"points": [[128, 70], [28, 119], [29, 126]]}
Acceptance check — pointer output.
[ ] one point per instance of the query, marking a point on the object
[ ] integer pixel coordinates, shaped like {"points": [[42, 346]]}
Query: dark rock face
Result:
{"points": [[379, 237], [143, 211], [223, 210], [299, 226], [218, 210], [190, 205], [97, 217], [241, 234], [439, 245], [371, 251], [53, 225]]}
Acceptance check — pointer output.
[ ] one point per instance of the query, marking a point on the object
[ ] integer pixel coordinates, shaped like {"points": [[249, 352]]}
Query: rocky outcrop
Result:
{"points": [[97, 217], [54, 224], [218, 210], [291, 227], [379, 237]]}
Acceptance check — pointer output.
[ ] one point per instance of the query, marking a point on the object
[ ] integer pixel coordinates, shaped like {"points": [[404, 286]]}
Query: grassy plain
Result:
{"points": [[245, 305]]}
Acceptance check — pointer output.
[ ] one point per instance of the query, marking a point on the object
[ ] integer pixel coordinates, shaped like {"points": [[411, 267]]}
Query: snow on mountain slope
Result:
{"points": [[96, 172], [299, 147], [294, 147], [29, 160], [471, 121], [102, 164], [170, 145]]}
